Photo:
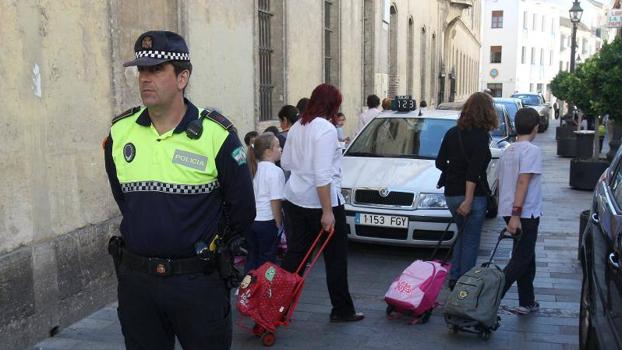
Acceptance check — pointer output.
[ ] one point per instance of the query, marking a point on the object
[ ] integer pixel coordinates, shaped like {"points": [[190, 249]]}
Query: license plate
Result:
{"points": [[381, 220]]}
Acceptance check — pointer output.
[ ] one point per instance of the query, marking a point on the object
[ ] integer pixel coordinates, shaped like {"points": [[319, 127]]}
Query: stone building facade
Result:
{"points": [[63, 80]]}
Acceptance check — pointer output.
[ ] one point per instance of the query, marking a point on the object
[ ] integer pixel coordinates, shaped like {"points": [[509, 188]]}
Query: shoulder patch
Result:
{"points": [[126, 114], [218, 119], [239, 155]]}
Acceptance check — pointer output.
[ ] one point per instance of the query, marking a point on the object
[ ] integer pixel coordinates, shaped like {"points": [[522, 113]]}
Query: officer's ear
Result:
{"points": [[182, 79]]}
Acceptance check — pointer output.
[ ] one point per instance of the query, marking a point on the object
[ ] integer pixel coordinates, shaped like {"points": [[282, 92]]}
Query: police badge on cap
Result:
{"points": [[159, 46]]}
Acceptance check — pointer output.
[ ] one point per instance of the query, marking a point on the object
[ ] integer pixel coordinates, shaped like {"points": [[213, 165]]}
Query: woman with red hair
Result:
{"points": [[313, 196]]}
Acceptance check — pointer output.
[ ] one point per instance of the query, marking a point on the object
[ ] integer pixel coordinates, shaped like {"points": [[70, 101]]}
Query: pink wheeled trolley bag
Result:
{"points": [[415, 291]]}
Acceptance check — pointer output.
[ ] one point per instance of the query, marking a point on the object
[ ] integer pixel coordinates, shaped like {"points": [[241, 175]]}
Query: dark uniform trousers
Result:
{"points": [[153, 309], [305, 226]]}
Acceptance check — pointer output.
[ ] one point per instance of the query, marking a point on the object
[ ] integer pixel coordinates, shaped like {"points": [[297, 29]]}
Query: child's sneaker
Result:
{"points": [[525, 310]]}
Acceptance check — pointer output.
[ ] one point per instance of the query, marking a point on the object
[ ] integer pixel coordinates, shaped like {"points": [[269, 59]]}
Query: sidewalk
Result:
{"points": [[372, 268]]}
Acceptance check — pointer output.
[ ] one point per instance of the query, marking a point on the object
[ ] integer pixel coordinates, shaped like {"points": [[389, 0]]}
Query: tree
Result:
{"points": [[606, 81], [559, 85]]}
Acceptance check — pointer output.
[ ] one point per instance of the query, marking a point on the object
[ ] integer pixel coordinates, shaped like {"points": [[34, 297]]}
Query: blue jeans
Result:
{"points": [[464, 254]]}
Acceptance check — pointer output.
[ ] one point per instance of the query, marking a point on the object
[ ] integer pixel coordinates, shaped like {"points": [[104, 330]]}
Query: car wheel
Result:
{"points": [[586, 331], [492, 213]]}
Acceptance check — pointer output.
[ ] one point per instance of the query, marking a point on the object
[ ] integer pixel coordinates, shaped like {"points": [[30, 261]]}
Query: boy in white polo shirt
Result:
{"points": [[520, 205]]}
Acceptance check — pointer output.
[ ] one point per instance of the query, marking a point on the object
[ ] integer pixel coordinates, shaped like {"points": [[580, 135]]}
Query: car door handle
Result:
{"points": [[595, 218], [613, 260]]}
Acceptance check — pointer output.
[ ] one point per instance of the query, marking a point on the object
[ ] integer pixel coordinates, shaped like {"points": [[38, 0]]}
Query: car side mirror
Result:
{"points": [[496, 153]]}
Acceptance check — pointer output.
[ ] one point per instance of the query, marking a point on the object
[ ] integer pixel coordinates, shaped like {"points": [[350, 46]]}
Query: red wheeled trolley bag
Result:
{"points": [[269, 294]]}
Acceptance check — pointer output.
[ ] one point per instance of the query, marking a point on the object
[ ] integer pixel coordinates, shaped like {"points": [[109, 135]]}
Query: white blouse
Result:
{"points": [[313, 156]]}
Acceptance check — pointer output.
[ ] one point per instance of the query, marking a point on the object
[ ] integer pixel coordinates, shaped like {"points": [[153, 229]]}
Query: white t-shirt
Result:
{"points": [[313, 156], [366, 117], [268, 185], [521, 157]]}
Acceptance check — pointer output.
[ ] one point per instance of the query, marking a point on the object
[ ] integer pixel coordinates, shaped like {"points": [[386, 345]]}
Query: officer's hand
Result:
{"points": [[236, 246]]}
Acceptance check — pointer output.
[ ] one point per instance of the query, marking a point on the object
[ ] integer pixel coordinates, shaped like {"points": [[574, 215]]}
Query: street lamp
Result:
{"points": [[575, 17]]}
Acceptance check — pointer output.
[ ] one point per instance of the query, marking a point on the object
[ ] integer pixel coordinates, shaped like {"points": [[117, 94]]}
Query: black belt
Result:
{"points": [[165, 267]]}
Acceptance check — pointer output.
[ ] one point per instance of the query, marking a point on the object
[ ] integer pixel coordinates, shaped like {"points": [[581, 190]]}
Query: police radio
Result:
{"points": [[403, 104], [195, 129]]}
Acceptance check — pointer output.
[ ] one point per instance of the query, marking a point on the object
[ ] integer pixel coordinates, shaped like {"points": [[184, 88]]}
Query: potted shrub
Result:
{"points": [[564, 134], [594, 88]]}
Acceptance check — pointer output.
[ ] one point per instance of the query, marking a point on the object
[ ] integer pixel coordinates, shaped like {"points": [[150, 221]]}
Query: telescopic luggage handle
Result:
{"points": [[504, 234], [440, 241], [328, 235]]}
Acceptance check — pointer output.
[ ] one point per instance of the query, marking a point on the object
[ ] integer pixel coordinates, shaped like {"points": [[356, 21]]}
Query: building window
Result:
{"points": [[553, 25], [393, 33], [525, 17], [540, 86], [271, 58], [265, 62], [497, 19], [542, 57], [331, 42], [496, 89], [584, 48], [368, 48], [533, 55], [561, 65], [523, 53], [410, 65], [495, 54], [423, 48], [562, 42], [533, 23], [551, 58], [542, 24], [531, 87]]}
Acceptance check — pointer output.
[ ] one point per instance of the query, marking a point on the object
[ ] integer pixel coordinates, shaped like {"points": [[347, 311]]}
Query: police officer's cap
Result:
{"points": [[159, 46]]}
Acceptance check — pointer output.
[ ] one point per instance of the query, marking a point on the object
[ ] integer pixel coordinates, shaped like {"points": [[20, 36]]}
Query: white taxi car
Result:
{"points": [[389, 179]]}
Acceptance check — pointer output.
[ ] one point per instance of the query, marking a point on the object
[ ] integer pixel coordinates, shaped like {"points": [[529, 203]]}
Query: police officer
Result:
{"points": [[177, 173]]}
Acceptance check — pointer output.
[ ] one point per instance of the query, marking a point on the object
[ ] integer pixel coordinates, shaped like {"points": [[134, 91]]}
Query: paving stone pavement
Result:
{"points": [[372, 268]]}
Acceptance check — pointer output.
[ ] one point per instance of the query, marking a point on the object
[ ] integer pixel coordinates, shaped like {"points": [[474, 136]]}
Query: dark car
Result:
{"points": [[600, 325], [536, 101], [503, 134], [511, 104]]}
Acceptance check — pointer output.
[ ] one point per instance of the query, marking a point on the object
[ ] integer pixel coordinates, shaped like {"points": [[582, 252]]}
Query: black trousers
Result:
{"points": [[193, 307], [305, 226], [522, 266]]}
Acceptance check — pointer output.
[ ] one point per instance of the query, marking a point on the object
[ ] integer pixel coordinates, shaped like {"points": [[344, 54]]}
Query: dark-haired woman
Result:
{"points": [[313, 196], [463, 158]]}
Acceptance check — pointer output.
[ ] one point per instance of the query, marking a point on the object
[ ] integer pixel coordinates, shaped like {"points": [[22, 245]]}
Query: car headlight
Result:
{"points": [[347, 195], [431, 201]]}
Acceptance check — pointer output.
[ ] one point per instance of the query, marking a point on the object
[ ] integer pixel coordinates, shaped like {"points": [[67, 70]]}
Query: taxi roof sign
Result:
{"points": [[403, 104]]}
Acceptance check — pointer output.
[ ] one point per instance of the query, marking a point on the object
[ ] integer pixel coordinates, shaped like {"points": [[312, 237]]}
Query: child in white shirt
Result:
{"points": [[520, 205], [268, 184]]}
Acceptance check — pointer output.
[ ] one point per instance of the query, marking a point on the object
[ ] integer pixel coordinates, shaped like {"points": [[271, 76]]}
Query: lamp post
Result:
{"points": [[575, 17]]}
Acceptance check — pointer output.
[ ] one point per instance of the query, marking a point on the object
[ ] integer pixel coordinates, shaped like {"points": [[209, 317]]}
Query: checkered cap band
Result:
{"points": [[173, 56], [156, 186]]}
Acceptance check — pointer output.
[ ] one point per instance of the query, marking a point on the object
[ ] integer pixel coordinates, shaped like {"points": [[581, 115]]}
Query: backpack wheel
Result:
{"points": [[426, 316], [484, 335], [268, 339], [258, 330], [390, 309]]}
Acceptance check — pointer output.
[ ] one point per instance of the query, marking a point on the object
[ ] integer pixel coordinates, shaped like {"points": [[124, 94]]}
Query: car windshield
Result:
{"points": [[417, 138], [511, 107], [529, 100], [500, 131]]}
